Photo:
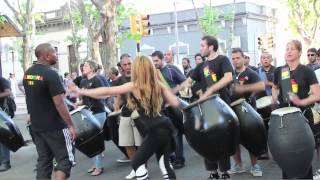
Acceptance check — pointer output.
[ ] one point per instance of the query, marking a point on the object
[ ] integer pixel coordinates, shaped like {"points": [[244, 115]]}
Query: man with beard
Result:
{"points": [[186, 66], [173, 77], [215, 75]]}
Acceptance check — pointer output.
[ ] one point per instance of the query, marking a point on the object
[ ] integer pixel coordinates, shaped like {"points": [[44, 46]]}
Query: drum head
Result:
{"points": [[237, 102], [286, 110], [78, 109], [186, 93], [264, 102]]}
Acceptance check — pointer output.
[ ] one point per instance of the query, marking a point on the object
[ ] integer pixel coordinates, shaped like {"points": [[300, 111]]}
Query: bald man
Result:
{"points": [[51, 124], [169, 57]]}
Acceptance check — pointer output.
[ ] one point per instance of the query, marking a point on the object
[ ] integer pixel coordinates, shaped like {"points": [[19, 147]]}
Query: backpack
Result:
{"points": [[9, 106]]}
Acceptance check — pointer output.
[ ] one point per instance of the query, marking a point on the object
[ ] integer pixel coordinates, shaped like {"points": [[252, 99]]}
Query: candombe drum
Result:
{"points": [[90, 136], [264, 107], [291, 141], [176, 117], [211, 128], [10, 134], [113, 126], [253, 135]]}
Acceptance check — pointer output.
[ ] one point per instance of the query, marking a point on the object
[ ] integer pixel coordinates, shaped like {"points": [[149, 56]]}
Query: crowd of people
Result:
{"points": [[146, 90]]}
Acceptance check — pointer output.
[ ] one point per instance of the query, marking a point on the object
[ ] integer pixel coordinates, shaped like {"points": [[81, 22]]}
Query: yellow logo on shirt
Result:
{"points": [[214, 77], [294, 86], [285, 73]]}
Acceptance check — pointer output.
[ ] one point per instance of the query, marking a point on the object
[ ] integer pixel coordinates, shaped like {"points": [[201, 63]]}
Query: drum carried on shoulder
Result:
{"points": [[90, 136], [10, 134], [253, 135], [211, 128], [291, 141]]}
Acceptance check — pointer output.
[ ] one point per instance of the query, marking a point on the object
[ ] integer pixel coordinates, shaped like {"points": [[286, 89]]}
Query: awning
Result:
{"points": [[8, 28]]}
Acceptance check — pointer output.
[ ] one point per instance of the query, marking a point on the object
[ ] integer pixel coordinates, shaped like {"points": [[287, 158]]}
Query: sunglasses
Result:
{"points": [[311, 54]]}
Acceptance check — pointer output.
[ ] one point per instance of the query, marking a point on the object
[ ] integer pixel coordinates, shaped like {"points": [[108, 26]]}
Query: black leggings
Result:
{"points": [[157, 141]]}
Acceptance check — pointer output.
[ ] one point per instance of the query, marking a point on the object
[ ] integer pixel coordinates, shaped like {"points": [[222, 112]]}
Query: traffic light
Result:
{"points": [[270, 41], [144, 25], [134, 24], [140, 25], [260, 42]]}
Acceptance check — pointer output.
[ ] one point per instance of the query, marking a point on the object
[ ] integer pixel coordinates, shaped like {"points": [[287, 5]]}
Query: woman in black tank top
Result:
{"points": [[147, 96]]}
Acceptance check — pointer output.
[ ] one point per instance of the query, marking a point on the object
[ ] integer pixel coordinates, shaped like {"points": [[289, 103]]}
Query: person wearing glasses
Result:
{"points": [[247, 62], [312, 58]]}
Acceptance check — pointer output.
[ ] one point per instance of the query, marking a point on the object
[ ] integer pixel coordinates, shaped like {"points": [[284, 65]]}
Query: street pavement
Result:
{"points": [[23, 161]]}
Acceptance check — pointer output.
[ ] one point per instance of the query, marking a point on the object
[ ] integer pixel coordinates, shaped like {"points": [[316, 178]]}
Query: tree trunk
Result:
{"points": [[26, 54], [111, 43], [94, 52]]}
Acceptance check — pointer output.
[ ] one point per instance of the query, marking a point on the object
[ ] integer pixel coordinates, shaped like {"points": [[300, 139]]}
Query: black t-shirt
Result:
{"points": [[95, 105], [210, 72], [248, 76], [78, 80], [4, 84], [300, 80], [41, 83], [124, 97]]}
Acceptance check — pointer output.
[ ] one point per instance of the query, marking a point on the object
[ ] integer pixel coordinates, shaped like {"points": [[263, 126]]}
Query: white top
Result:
{"points": [[264, 102], [286, 110], [237, 102]]}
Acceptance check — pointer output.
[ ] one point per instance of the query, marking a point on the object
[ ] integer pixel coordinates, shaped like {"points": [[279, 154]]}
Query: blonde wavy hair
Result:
{"points": [[145, 78]]}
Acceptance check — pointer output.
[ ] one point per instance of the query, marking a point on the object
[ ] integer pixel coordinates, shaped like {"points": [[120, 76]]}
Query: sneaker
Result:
{"points": [[225, 176], [213, 175], [123, 160], [4, 167], [256, 170], [236, 169], [131, 175], [316, 176]]}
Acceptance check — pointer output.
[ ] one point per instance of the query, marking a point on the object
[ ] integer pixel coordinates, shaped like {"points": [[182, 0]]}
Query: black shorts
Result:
{"points": [[55, 144]]}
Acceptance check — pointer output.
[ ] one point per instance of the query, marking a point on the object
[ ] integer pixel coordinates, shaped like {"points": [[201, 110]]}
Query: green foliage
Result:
{"points": [[2, 20], [304, 17], [210, 21], [124, 13]]}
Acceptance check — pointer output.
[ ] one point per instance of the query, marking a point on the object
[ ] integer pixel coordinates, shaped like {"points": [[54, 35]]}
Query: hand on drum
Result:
{"points": [[72, 131], [72, 88], [295, 99]]}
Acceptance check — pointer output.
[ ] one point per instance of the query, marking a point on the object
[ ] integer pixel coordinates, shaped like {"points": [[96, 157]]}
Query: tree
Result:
{"points": [[92, 21], [108, 12], [26, 18], [304, 19], [76, 25]]}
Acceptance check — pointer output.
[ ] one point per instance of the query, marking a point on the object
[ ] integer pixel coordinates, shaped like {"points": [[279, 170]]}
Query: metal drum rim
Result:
{"points": [[237, 102], [278, 112], [78, 109], [199, 102]]}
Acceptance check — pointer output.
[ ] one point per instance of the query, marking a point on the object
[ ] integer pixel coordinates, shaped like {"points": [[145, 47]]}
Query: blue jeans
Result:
{"points": [[98, 159], [4, 154]]}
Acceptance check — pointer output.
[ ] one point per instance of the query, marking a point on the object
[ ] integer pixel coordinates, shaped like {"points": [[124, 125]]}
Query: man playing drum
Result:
{"points": [[246, 83], [302, 80], [216, 76], [51, 125]]}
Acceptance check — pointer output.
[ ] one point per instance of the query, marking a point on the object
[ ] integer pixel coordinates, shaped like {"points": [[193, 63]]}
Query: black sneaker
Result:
{"points": [[225, 176], [213, 175]]}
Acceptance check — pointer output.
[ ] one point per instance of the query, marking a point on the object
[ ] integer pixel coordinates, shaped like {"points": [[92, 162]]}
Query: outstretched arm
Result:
{"points": [[102, 92]]}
